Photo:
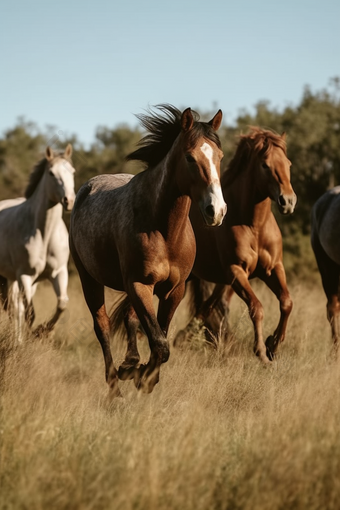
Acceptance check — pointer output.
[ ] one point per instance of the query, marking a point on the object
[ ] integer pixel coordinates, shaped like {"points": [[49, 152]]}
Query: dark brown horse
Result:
{"points": [[133, 234], [249, 242], [326, 245]]}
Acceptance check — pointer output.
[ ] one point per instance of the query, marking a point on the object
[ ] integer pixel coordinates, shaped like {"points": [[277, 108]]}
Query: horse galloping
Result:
{"points": [[34, 239], [133, 234], [249, 242], [326, 246]]}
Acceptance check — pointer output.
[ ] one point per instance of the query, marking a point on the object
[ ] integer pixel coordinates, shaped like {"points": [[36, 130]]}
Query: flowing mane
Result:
{"points": [[258, 142], [35, 177], [163, 130]]}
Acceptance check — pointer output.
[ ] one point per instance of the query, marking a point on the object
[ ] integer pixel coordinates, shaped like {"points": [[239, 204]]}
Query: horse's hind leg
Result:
{"points": [[132, 324], [277, 284], [330, 276], [59, 283], [202, 307], [214, 312], [95, 299], [333, 316]]}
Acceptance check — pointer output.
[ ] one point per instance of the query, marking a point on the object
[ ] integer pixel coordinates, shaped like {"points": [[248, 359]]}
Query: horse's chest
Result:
{"points": [[166, 262], [36, 252]]}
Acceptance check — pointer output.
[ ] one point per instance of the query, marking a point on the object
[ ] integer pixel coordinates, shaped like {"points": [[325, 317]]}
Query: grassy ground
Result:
{"points": [[218, 432]]}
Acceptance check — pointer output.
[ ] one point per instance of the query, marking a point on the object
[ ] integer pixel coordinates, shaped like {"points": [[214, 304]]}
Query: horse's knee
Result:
{"points": [[286, 304], [256, 312], [62, 303]]}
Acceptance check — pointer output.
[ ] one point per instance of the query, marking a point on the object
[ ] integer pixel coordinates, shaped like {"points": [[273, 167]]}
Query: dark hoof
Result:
{"points": [[114, 391], [42, 330], [271, 347], [144, 379], [126, 371]]}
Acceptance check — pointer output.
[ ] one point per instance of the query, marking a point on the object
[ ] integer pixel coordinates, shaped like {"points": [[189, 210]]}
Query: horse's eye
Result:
{"points": [[265, 166], [51, 173], [190, 158]]}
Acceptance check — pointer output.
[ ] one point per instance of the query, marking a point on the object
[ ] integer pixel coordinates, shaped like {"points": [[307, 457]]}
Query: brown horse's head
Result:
{"points": [[192, 150], [274, 168], [199, 168]]}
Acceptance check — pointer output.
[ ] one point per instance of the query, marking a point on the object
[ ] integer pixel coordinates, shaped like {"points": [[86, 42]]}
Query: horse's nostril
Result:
{"points": [[282, 200], [210, 211]]}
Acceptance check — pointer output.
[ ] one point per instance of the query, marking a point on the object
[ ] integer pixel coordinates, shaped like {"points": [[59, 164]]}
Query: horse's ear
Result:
{"points": [[283, 135], [187, 120], [68, 151], [216, 121], [49, 153]]}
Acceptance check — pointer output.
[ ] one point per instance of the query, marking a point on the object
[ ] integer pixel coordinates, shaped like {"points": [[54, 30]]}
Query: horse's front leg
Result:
{"points": [[59, 283], [277, 283], [22, 304], [146, 376], [242, 287]]}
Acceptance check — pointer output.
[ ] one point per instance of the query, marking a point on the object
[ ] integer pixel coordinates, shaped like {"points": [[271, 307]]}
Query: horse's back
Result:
{"points": [[97, 221], [11, 202], [325, 225]]}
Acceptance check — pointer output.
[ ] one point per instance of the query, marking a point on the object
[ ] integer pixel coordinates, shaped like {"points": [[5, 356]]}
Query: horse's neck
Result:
{"points": [[247, 203], [45, 214], [171, 207]]}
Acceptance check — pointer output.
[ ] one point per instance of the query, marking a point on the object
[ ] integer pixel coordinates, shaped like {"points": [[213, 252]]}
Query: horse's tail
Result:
{"points": [[117, 315]]}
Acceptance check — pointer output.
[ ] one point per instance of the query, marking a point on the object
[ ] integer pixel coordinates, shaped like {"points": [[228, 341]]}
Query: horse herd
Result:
{"points": [[162, 231]]}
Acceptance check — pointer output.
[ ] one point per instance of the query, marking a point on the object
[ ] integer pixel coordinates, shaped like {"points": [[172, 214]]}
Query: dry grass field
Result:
{"points": [[219, 431]]}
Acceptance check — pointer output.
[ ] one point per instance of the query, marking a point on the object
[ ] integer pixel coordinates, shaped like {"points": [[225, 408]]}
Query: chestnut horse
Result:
{"points": [[249, 242], [133, 234], [326, 246]]}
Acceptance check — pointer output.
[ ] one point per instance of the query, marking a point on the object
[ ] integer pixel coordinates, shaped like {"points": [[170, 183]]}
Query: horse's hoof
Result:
{"points": [[144, 380], [271, 347], [114, 391], [42, 330], [264, 358], [126, 371]]}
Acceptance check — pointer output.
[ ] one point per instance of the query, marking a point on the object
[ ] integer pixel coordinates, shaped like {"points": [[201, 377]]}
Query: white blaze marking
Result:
{"points": [[208, 152]]}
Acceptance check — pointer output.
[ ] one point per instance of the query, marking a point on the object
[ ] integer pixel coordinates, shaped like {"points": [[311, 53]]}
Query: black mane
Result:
{"points": [[35, 177], [38, 172], [163, 130]]}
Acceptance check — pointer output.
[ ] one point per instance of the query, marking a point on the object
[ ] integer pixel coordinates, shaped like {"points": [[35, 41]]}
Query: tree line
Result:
{"points": [[313, 146]]}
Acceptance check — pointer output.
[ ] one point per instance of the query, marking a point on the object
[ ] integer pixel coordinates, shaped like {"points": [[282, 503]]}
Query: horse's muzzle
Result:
{"points": [[213, 217], [286, 203], [67, 203]]}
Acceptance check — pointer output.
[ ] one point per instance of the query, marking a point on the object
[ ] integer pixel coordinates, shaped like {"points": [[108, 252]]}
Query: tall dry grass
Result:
{"points": [[218, 432]]}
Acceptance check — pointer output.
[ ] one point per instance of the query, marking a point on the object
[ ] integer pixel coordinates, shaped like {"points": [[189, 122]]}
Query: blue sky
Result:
{"points": [[78, 64]]}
